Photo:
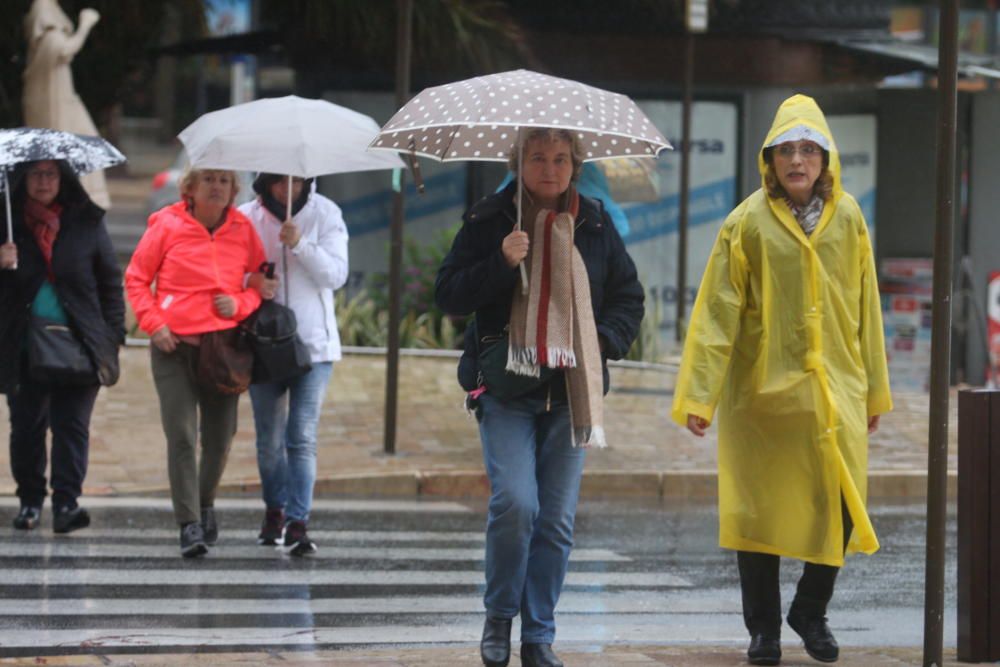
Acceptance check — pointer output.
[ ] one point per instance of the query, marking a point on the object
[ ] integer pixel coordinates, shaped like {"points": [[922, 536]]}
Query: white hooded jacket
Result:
{"points": [[315, 267]]}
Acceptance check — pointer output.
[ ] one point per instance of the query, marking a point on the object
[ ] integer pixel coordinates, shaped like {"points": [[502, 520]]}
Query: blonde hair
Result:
{"points": [[551, 134], [822, 187], [191, 176]]}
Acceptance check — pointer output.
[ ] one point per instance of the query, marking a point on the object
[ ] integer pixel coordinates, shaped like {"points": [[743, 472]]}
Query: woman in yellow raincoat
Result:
{"points": [[786, 342]]}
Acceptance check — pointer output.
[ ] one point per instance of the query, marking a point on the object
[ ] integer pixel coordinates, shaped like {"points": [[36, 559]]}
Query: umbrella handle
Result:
{"points": [[418, 179], [520, 160], [10, 222]]}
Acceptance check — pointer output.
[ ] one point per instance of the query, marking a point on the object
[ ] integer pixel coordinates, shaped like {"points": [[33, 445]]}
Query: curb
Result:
{"points": [[596, 485]]}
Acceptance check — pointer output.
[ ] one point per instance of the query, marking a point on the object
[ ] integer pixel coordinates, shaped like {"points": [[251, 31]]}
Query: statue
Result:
{"points": [[49, 98]]}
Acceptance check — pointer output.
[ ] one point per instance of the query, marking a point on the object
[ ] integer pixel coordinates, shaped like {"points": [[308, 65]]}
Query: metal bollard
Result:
{"points": [[979, 525]]}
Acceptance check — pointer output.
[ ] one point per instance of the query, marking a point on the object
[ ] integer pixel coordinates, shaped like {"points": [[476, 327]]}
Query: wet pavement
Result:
{"points": [[438, 452], [400, 583]]}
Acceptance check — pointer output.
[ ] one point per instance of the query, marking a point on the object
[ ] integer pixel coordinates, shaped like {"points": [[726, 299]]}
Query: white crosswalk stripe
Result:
{"points": [[66, 549], [108, 588]]}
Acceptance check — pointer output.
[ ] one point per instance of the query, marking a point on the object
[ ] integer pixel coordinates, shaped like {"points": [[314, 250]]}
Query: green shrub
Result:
{"points": [[423, 324]]}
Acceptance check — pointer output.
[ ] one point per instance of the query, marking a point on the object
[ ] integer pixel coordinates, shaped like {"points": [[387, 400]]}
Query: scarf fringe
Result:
{"points": [[524, 360], [560, 357], [589, 436]]}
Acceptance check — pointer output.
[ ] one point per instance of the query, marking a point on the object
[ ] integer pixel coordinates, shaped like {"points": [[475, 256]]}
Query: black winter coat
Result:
{"points": [[88, 282], [474, 278]]}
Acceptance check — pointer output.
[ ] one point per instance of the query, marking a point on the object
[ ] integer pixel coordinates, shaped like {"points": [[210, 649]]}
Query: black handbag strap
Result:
{"points": [[479, 339]]}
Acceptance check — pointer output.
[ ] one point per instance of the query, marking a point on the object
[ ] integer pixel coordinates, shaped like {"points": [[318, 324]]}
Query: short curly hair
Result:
{"points": [[191, 176], [552, 134]]}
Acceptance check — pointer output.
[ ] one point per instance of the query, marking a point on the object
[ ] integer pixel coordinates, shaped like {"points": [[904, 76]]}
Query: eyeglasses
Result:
{"points": [[809, 150], [43, 174]]}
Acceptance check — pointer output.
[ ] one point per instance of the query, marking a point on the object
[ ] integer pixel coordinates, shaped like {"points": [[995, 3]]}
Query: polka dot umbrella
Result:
{"points": [[480, 118]]}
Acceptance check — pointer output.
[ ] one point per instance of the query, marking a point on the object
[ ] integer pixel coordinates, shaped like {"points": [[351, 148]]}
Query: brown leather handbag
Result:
{"points": [[225, 361]]}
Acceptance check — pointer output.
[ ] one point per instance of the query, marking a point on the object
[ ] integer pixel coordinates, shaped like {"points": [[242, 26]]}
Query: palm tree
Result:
{"points": [[352, 43]]}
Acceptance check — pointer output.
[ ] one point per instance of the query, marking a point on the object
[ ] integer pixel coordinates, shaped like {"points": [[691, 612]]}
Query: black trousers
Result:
{"points": [[34, 410], [762, 593]]}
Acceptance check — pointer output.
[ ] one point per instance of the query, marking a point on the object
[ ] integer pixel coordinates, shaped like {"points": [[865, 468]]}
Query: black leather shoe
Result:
{"points": [[66, 520], [764, 649], [539, 655], [494, 649], [28, 518], [815, 633]]}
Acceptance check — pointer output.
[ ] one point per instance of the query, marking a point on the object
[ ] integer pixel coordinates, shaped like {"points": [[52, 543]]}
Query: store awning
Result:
{"points": [[925, 56]]}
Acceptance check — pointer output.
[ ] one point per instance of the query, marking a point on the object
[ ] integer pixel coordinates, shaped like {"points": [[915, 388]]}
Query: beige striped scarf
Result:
{"points": [[553, 324]]}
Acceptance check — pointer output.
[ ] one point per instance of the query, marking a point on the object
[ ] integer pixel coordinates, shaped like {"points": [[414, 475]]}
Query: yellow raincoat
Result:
{"points": [[786, 339]]}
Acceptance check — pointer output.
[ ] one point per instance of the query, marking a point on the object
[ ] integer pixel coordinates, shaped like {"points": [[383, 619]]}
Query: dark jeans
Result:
{"points": [[34, 410], [762, 593]]}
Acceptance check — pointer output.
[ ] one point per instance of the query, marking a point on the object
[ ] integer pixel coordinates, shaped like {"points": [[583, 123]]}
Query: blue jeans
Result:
{"points": [[286, 415], [534, 473]]}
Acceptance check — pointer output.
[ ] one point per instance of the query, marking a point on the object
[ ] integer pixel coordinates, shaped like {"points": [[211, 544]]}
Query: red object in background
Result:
{"points": [[160, 179], [993, 325]]}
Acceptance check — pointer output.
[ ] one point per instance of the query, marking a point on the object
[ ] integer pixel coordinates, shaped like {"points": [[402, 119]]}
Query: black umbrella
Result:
{"points": [[28, 144]]}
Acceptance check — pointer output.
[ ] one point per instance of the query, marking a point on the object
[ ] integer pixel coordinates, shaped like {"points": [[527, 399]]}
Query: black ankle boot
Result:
{"points": [[765, 649], [815, 633], [494, 649], [539, 655], [66, 519]]}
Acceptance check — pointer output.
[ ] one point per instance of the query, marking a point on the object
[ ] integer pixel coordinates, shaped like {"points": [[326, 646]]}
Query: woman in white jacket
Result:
{"points": [[310, 252]]}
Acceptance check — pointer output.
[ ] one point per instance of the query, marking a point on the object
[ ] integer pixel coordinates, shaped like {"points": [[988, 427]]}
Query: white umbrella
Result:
{"points": [[285, 135]]}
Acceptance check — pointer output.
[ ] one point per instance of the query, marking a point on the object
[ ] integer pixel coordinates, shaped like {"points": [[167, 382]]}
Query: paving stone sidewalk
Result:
{"points": [[438, 452]]}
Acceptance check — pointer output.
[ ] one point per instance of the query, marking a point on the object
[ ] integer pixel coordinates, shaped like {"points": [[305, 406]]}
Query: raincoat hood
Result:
{"points": [[798, 117]]}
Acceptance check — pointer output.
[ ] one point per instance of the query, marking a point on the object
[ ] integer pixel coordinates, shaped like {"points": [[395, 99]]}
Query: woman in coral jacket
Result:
{"points": [[198, 252], [786, 341]]}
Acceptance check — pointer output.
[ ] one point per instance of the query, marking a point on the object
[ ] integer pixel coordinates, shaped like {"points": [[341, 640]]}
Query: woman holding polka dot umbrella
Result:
{"points": [[534, 359]]}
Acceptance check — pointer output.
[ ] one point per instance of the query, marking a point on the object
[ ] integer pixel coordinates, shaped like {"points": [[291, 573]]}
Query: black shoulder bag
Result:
{"points": [[491, 352], [278, 352], [56, 355]]}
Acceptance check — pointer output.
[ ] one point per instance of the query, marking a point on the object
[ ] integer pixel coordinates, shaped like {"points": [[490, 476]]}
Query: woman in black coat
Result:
{"points": [[583, 306], [59, 265]]}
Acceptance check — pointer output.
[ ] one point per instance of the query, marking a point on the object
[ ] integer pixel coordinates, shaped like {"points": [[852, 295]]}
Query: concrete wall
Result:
{"points": [[983, 243]]}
